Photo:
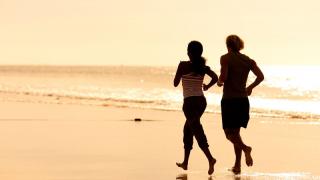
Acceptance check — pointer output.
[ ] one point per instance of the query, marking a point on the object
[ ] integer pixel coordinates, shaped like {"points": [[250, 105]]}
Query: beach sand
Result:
{"points": [[47, 141]]}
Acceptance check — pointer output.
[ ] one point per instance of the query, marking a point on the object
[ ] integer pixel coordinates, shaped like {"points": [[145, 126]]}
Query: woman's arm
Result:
{"points": [[259, 78], [178, 75], [223, 71], [214, 79]]}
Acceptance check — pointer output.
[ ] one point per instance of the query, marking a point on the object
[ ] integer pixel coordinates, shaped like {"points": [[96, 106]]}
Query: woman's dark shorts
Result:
{"points": [[235, 112]]}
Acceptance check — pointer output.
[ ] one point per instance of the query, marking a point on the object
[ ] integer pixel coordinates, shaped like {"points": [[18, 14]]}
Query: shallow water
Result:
{"points": [[287, 91]]}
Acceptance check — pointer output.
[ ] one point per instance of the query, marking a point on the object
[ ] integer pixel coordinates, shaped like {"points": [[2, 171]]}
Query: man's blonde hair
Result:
{"points": [[235, 43]]}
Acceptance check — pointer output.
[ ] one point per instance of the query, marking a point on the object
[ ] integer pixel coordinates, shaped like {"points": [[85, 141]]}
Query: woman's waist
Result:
{"points": [[192, 92], [202, 97]]}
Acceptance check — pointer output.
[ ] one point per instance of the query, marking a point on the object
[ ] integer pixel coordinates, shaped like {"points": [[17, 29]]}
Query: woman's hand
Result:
{"points": [[205, 87]]}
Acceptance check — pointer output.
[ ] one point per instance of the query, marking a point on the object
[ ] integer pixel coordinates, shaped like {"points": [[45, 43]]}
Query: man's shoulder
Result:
{"points": [[225, 55]]}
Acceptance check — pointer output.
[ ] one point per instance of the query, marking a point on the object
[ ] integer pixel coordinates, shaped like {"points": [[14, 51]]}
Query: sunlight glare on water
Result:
{"points": [[299, 80]]}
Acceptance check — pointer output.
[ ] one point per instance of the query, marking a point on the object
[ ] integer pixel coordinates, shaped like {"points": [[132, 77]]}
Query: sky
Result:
{"points": [[156, 32]]}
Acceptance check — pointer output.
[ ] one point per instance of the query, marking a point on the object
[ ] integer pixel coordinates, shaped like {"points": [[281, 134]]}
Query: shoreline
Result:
{"points": [[280, 116]]}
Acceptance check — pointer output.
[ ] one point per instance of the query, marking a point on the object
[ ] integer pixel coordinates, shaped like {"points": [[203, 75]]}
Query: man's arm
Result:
{"points": [[259, 78], [223, 71]]}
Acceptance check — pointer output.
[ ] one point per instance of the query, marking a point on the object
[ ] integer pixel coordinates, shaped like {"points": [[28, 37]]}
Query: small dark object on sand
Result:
{"points": [[137, 119]]}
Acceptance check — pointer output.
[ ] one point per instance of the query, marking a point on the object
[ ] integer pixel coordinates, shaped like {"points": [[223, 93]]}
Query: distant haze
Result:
{"points": [[150, 32]]}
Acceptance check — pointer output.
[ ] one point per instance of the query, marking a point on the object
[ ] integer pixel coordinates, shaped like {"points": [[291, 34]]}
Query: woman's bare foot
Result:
{"points": [[247, 153], [211, 166], [235, 170], [182, 165]]}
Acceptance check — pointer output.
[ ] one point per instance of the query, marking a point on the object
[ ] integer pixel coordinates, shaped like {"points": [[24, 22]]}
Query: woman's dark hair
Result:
{"points": [[235, 43], [198, 62]]}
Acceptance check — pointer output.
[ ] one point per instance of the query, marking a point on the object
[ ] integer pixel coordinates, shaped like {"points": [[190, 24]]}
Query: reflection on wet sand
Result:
{"points": [[256, 176], [182, 176]]}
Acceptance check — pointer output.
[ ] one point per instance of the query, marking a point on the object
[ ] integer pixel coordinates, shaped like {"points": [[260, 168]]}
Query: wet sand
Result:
{"points": [[41, 141]]}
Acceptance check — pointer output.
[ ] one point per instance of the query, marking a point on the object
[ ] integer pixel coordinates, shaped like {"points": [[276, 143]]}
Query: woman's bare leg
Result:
{"points": [[184, 164]]}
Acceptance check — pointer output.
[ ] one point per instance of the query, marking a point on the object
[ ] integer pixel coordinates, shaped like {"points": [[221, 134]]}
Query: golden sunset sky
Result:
{"points": [[156, 32]]}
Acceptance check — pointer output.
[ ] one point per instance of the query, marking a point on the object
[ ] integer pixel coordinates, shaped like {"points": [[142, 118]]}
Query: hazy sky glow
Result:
{"points": [[149, 32]]}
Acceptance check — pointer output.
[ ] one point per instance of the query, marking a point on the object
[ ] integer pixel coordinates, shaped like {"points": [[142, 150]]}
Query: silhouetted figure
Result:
{"points": [[192, 74], [235, 68]]}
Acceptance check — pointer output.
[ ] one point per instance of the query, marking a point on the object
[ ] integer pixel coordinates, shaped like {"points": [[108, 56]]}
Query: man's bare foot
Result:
{"points": [[182, 165], [247, 153], [235, 170], [211, 166]]}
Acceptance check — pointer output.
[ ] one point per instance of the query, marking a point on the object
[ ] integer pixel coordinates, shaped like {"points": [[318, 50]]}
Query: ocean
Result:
{"points": [[288, 92]]}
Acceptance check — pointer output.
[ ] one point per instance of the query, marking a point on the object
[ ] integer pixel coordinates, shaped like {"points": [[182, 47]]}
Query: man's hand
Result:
{"points": [[249, 90], [219, 83]]}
